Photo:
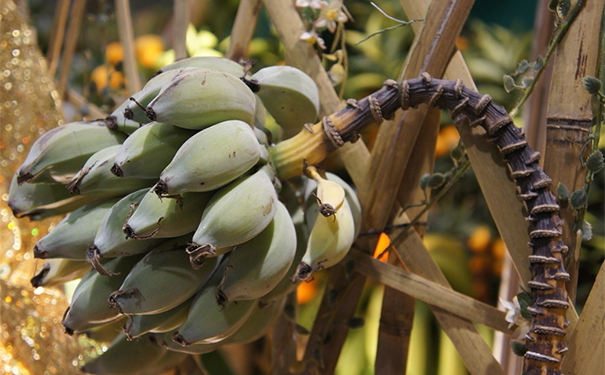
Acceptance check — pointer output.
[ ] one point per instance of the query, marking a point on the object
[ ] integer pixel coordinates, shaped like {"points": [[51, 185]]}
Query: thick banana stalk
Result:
{"points": [[75, 233], [329, 194], [110, 241], [289, 95], [63, 150], [89, 302], [235, 214], [202, 98], [95, 177], [134, 108], [221, 64], [147, 151], [125, 357], [39, 201], [138, 325], [210, 159], [255, 267], [156, 217], [58, 271], [210, 323], [329, 241], [162, 280]]}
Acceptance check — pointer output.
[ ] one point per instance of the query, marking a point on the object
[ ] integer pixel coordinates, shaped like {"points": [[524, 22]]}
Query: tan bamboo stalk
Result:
{"points": [[428, 291], [179, 28], [569, 117], [587, 341], [79, 101], [73, 31], [126, 33], [243, 29], [57, 36]]}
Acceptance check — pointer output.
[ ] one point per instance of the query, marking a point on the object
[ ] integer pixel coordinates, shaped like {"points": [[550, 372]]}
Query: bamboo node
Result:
{"points": [[498, 124], [459, 108], [405, 95], [482, 104], [546, 330], [375, 109], [435, 97], [554, 303], [331, 132], [352, 103], [458, 86], [543, 259], [541, 357], [539, 285], [426, 77]]}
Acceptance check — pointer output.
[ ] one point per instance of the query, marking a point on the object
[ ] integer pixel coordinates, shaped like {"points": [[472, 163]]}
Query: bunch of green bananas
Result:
{"points": [[177, 224]]}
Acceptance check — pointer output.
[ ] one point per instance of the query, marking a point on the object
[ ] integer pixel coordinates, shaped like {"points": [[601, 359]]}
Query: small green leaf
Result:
{"points": [[563, 8], [518, 347], [523, 66], [586, 231], [562, 192], [525, 301], [424, 180], [509, 83], [527, 81], [457, 153], [578, 199], [594, 163], [356, 322], [539, 64], [436, 180], [591, 84]]}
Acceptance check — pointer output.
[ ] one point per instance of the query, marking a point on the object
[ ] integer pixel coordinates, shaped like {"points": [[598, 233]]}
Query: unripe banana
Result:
{"points": [[39, 201], [289, 95], [89, 302], [165, 341], [59, 271], [255, 267], [210, 323], [110, 241], [95, 177], [124, 357], [106, 332], [147, 151], [61, 151], [201, 99], [210, 159], [156, 217], [262, 318], [235, 214], [75, 233], [138, 325], [329, 241], [117, 121], [134, 108], [163, 279], [329, 195], [221, 64]]}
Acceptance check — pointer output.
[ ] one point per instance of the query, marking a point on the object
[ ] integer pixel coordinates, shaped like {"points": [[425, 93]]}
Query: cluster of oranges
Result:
{"points": [[148, 48], [485, 262]]}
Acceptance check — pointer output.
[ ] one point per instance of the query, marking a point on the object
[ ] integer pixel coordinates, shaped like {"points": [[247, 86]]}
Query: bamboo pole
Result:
{"points": [[243, 29], [179, 28], [569, 117], [73, 31], [57, 36], [126, 32]]}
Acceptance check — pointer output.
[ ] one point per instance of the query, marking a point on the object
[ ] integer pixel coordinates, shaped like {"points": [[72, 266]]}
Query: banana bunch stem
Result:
{"points": [[545, 340]]}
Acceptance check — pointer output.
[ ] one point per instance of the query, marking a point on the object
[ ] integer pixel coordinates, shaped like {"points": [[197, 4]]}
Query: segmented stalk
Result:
{"points": [[545, 339]]}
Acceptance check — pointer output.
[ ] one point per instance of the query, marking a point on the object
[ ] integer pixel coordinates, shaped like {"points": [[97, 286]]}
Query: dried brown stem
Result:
{"points": [[126, 31], [243, 29], [57, 36], [73, 31]]}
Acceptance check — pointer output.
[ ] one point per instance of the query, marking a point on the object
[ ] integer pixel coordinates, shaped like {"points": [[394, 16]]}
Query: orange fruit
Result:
{"points": [[447, 139], [114, 53], [102, 77], [148, 48], [479, 239], [306, 291]]}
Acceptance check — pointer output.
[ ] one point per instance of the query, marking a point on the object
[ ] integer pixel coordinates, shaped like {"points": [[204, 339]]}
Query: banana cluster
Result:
{"points": [[177, 226]]}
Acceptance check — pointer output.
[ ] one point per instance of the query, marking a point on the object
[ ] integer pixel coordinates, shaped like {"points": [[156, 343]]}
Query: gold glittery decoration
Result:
{"points": [[31, 336]]}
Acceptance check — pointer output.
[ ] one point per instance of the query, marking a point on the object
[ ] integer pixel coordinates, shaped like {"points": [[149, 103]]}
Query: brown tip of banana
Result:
{"points": [[111, 122], [161, 188], [150, 113], [93, 256], [128, 114], [179, 339], [128, 231], [68, 330], [72, 186], [198, 254], [36, 281], [39, 254], [116, 170], [24, 177], [303, 272]]}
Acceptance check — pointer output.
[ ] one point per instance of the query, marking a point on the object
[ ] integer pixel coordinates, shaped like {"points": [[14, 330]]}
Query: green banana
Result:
{"points": [[95, 177], [203, 98], [134, 108], [262, 318], [125, 357], [138, 325], [210, 323], [110, 241], [89, 302], [73, 235], [147, 151], [58, 271], [328, 194], [156, 217], [290, 96], [106, 332], [221, 64], [61, 151], [39, 201], [210, 159], [165, 340], [235, 214], [117, 121], [161, 281], [255, 267], [329, 241]]}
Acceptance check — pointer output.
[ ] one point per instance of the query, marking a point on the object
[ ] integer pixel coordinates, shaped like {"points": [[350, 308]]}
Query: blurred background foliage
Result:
{"points": [[461, 234]]}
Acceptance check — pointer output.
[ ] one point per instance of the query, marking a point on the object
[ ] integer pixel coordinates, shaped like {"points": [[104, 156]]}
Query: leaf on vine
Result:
{"points": [[518, 347], [539, 64], [594, 163], [591, 84], [527, 81], [578, 199], [522, 67], [562, 192], [586, 231], [509, 83], [424, 180]]}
